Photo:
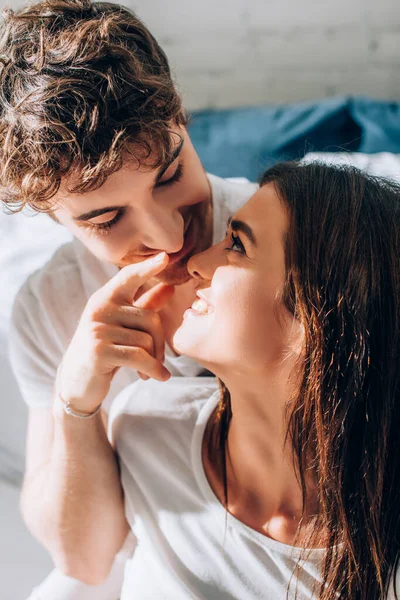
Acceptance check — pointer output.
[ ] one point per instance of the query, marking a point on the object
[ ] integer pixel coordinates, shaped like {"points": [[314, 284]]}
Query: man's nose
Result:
{"points": [[162, 231]]}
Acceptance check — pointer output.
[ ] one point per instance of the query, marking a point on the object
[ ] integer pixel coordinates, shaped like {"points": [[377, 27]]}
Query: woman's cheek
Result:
{"points": [[262, 336], [238, 318]]}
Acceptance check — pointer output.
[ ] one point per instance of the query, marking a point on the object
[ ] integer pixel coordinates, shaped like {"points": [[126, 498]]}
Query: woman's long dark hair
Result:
{"points": [[343, 284]]}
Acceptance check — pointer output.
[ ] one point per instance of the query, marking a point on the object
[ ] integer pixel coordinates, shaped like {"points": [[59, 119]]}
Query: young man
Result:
{"points": [[92, 131]]}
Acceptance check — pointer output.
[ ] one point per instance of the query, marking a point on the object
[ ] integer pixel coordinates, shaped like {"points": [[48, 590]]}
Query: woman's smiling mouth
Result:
{"points": [[200, 307]]}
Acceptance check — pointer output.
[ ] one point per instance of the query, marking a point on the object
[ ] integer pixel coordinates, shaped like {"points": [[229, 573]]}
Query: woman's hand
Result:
{"points": [[114, 331]]}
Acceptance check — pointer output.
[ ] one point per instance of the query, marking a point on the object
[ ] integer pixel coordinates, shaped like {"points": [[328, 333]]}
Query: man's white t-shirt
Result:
{"points": [[49, 305]]}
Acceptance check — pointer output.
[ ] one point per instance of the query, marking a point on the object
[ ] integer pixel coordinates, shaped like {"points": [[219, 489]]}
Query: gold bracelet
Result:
{"points": [[74, 412]]}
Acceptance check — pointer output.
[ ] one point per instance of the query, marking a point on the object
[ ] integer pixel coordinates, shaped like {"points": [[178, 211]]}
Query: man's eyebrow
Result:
{"points": [[169, 162], [96, 213], [237, 225]]}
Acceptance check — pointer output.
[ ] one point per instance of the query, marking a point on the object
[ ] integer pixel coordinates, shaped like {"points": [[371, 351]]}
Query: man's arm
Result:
{"points": [[72, 500]]}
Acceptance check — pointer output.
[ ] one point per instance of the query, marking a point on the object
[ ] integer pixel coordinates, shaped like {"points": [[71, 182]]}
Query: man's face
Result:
{"points": [[138, 213]]}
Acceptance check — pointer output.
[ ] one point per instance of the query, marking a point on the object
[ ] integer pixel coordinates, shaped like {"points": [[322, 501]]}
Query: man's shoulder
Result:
{"points": [[231, 192], [228, 195], [67, 280], [58, 277]]}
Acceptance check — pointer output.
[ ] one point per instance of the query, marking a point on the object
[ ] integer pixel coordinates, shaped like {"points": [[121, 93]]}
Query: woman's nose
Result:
{"points": [[204, 264]]}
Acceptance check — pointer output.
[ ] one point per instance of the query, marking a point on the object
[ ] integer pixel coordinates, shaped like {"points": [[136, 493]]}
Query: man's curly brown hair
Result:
{"points": [[83, 86]]}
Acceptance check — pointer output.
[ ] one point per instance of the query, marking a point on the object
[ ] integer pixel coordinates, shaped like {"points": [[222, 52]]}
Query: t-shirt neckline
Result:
{"points": [[222, 517]]}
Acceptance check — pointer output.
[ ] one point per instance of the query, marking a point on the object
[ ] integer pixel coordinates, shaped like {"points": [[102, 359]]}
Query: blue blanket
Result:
{"points": [[244, 142]]}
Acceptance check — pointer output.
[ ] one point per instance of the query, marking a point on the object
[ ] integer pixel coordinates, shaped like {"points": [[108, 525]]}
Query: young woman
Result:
{"points": [[286, 483]]}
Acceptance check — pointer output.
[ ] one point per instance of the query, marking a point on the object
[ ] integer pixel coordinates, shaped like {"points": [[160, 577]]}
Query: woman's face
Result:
{"points": [[238, 322]]}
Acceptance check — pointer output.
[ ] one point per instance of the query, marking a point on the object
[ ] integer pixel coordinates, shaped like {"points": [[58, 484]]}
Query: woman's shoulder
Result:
{"points": [[180, 397], [154, 427], [168, 410]]}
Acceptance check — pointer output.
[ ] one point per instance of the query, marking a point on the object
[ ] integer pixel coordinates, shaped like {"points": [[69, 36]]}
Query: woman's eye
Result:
{"points": [[237, 245]]}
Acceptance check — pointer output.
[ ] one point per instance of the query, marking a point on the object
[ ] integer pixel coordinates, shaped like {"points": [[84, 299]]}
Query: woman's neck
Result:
{"points": [[263, 489]]}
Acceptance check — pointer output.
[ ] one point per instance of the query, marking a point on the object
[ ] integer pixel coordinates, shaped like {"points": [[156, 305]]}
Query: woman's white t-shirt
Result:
{"points": [[186, 545]]}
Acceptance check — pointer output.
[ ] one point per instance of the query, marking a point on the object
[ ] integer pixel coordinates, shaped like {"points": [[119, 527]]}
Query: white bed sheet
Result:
{"points": [[383, 164]]}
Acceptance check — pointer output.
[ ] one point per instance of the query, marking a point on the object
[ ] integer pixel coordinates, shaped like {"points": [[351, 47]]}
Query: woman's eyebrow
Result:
{"points": [[237, 225], [169, 162]]}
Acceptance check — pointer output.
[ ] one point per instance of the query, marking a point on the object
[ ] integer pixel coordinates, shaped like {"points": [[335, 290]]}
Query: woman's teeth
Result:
{"points": [[201, 307]]}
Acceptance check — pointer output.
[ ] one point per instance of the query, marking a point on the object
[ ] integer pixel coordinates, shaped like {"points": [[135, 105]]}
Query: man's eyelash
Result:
{"points": [[103, 227], [177, 176]]}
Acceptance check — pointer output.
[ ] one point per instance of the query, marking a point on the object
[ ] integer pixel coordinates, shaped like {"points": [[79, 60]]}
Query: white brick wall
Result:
{"points": [[240, 52]]}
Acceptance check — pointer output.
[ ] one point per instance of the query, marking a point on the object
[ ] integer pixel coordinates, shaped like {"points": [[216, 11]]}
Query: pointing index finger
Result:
{"points": [[124, 285]]}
